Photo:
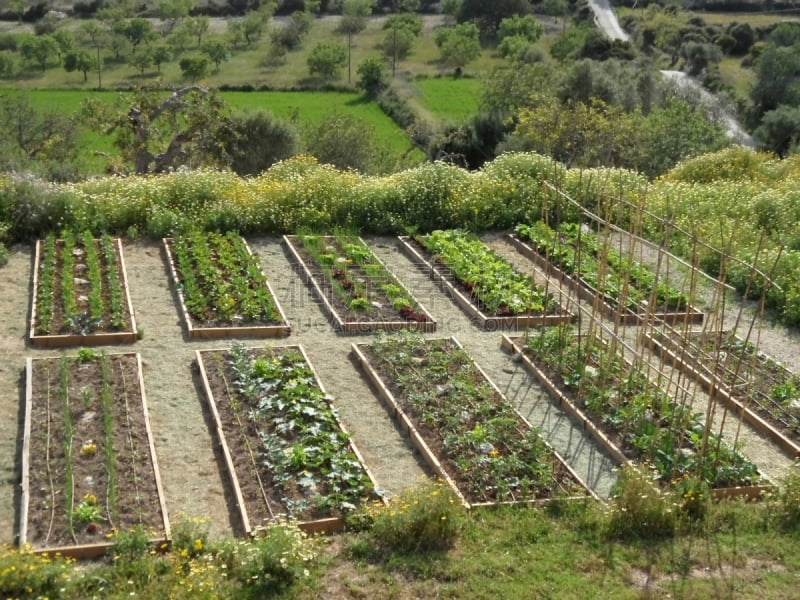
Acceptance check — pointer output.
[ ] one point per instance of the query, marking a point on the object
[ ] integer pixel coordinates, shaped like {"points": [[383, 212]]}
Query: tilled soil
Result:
{"points": [[188, 455]]}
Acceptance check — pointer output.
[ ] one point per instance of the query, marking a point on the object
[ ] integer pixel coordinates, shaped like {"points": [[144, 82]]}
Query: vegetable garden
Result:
{"points": [[221, 287], [287, 453], [89, 467], [80, 292]]}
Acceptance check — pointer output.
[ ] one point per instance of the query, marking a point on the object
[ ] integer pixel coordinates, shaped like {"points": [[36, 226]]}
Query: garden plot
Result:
{"points": [[285, 450], [221, 288], [80, 293], [88, 463], [633, 418], [627, 290], [357, 291], [465, 429], [484, 285], [755, 386]]}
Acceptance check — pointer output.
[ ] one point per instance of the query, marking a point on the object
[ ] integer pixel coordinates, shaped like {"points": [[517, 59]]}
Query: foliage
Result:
{"points": [[490, 279], [648, 424], [425, 518], [489, 15], [256, 140], [303, 448], [639, 508], [327, 59], [45, 142], [373, 77], [221, 281], [155, 133], [789, 514], [357, 277], [345, 142], [488, 450], [459, 45]]}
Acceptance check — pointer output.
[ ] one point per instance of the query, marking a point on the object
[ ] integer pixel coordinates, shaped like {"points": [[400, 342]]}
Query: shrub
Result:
{"points": [[789, 514], [27, 575], [190, 536], [425, 518], [278, 557], [639, 508]]}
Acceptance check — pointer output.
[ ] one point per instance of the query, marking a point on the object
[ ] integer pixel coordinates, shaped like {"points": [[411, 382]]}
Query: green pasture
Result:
{"points": [[449, 99]]}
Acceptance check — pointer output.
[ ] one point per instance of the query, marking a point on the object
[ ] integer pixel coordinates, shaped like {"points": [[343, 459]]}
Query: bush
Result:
{"points": [[275, 559], [639, 508], [422, 519], [789, 514]]}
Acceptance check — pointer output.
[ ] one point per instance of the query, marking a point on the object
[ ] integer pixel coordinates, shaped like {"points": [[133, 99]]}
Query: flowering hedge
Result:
{"points": [[726, 199]]}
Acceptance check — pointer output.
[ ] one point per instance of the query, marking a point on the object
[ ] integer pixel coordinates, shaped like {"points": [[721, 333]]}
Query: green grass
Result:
{"points": [[517, 552], [449, 99]]}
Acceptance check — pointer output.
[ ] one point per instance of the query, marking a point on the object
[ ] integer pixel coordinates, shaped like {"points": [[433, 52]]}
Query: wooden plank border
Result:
{"points": [[91, 339], [435, 465], [588, 425], [487, 322], [85, 551], [317, 526], [357, 327], [715, 387], [587, 293], [199, 332]]}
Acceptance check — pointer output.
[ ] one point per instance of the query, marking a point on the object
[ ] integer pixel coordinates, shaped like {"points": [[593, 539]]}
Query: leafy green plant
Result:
{"points": [[421, 519], [490, 278], [87, 511], [485, 445], [86, 355], [654, 426], [302, 444], [221, 280], [639, 508], [357, 277]]}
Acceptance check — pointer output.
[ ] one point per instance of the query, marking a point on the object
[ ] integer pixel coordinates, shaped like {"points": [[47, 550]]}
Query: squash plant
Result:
{"points": [[305, 451], [488, 277]]}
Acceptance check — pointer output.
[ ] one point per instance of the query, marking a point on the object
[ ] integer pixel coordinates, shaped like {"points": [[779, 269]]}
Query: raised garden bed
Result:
{"points": [[485, 286], [88, 462], [285, 450], [221, 288], [628, 415], [625, 288], [755, 386], [80, 293], [462, 425], [357, 291]]}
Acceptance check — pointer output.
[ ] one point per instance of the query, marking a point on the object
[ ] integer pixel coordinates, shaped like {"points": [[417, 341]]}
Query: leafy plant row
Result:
{"points": [[303, 448], [652, 426], [221, 280], [79, 287], [357, 277], [488, 277], [493, 455], [577, 252]]}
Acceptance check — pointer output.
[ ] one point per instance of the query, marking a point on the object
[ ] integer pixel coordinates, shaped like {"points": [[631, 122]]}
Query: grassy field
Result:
{"points": [[449, 99]]}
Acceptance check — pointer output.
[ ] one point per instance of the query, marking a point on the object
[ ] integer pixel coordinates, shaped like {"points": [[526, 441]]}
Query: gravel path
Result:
{"points": [[187, 455]]}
